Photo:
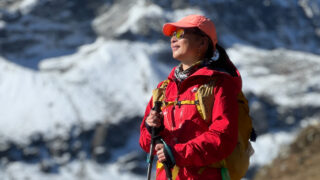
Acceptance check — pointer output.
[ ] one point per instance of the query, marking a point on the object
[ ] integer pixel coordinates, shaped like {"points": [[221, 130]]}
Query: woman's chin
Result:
{"points": [[176, 56]]}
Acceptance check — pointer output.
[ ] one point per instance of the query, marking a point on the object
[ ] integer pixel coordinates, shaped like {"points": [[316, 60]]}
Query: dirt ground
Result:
{"points": [[299, 161]]}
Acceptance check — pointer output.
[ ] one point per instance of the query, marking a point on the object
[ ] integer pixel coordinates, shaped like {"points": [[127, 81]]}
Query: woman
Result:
{"points": [[195, 142]]}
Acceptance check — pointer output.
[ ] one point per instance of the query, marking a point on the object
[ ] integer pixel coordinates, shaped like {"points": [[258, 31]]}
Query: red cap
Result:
{"points": [[202, 22]]}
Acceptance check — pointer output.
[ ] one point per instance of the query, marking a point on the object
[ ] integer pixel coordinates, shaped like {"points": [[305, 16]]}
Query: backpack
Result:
{"points": [[237, 163]]}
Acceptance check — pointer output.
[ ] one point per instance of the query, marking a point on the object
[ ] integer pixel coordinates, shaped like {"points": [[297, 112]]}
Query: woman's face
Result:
{"points": [[186, 48]]}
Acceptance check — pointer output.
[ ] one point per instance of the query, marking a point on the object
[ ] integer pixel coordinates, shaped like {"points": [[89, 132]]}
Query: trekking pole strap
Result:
{"points": [[168, 151]]}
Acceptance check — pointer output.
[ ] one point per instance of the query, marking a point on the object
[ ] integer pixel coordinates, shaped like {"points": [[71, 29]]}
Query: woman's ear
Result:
{"points": [[204, 43]]}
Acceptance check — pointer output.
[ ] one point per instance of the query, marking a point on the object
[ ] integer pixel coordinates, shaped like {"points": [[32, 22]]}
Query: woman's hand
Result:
{"points": [[160, 152], [154, 119]]}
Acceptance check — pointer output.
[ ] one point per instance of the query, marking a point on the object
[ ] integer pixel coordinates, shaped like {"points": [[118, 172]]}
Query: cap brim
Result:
{"points": [[169, 28]]}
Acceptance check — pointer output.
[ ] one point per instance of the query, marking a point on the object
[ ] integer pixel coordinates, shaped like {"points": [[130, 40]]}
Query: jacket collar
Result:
{"points": [[203, 71], [206, 72]]}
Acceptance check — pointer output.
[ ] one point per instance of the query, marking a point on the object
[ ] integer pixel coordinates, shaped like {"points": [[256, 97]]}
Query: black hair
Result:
{"points": [[209, 52], [223, 63]]}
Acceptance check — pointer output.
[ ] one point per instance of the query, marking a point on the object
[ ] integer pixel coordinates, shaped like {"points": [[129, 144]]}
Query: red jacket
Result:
{"points": [[196, 143]]}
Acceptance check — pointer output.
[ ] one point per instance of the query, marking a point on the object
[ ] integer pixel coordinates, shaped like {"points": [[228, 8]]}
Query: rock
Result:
{"points": [[100, 154], [31, 154], [57, 27], [14, 152], [133, 162], [48, 166], [263, 112]]}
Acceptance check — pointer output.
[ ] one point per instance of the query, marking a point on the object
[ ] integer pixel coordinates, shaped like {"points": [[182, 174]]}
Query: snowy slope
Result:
{"points": [[74, 171], [27, 100], [290, 78], [98, 83]]}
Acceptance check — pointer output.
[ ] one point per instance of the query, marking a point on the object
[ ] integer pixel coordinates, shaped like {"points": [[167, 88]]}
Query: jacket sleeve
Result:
{"points": [[221, 137], [145, 137]]}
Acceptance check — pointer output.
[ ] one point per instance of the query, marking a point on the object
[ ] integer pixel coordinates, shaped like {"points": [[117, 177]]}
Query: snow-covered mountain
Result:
{"points": [[75, 77], [28, 28]]}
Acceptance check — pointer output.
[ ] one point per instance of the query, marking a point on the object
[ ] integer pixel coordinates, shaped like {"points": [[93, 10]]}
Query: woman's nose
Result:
{"points": [[173, 39]]}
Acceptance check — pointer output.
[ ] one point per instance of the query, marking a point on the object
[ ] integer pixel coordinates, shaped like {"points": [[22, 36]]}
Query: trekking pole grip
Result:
{"points": [[155, 131], [157, 106]]}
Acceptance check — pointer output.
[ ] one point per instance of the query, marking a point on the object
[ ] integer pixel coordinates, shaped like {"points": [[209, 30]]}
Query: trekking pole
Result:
{"points": [[157, 108], [168, 172]]}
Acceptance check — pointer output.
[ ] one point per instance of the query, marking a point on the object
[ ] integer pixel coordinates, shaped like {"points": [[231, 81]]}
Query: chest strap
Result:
{"points": [[179, 103], [185, 102]]}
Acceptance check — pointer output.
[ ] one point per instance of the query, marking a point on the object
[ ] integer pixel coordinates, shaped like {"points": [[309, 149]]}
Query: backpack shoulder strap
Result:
{"points": [[158, 94], [205, 98], [164, 83]]}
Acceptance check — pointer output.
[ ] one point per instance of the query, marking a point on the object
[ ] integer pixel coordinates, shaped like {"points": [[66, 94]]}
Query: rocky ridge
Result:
{"points": [[299, 160]]}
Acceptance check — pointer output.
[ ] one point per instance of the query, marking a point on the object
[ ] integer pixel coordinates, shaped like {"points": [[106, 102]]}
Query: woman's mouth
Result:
{"points": [[174, 48]]}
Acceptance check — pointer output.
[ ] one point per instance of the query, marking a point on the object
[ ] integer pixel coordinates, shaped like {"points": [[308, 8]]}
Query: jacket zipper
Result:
{"points": [[178, 84]]}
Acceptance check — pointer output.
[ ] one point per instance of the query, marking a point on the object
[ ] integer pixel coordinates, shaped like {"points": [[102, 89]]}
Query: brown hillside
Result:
{"points": [[300, 162]]}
